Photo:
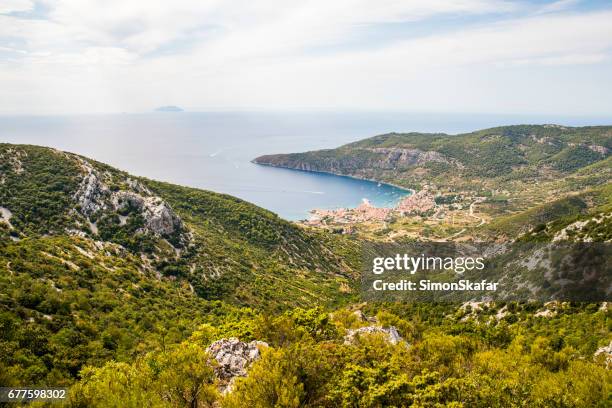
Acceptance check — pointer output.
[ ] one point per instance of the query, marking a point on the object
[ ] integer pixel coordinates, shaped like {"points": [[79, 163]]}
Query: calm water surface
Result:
{"points": [[213, 150]]}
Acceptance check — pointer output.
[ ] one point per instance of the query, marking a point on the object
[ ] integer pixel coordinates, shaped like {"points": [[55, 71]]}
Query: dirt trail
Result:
{"points": [[477, 201], [471, 214]]}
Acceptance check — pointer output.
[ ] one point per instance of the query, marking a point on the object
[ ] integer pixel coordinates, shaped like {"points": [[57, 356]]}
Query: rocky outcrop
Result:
{"points": [[605, 352], [13, 157], [233, 357], [159, 217], [5, 215], [363, 318], [392, 336], [579, 230], [92, 193], [392, 157], [599, 149], [94, 196]]}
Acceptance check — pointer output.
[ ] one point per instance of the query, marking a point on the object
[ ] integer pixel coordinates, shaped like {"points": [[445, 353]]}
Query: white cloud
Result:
{"points": [[567, 59], [11, 6], [558, 5], [143, 26], [131, 55], [523, 39]]}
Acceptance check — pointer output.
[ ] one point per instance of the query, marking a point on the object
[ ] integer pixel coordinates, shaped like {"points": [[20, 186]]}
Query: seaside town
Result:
{"points": [[418, 203], [426, 214]]}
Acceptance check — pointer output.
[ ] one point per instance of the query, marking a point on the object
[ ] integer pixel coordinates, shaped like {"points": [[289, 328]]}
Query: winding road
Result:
{"points": [[471, 214]]}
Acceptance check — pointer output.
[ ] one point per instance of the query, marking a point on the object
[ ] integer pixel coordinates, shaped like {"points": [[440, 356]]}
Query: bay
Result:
{"points": [[213, 150]]}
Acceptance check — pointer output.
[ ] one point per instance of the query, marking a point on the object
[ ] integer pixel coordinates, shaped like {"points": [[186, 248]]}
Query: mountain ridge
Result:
{"points": [[214, 241], [116, 286], [411, 159], [500, 172]]}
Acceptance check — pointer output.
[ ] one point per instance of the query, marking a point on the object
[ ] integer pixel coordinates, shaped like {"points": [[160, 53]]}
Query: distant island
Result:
{"points": [[169, 108]]}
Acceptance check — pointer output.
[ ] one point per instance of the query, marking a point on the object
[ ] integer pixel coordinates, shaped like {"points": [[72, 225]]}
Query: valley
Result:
{"points": [[316, 204], [108, 279], [473, 182]]}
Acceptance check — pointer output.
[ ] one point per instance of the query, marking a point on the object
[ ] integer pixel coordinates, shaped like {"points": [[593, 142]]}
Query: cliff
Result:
{"points": [[487, 157]]}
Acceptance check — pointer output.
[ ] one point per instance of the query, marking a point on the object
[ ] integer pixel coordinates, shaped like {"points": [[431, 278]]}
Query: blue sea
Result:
{"points": [[213, 150]]}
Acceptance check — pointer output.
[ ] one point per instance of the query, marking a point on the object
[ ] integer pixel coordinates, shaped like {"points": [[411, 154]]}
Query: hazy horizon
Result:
{"points": [[501, 118], [214, 150]]}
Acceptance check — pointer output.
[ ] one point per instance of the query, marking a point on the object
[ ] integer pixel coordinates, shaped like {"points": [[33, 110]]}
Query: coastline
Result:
{"points": [[409, 190]]}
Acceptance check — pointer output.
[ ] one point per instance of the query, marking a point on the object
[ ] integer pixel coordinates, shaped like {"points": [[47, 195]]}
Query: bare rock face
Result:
{"points": [[394, 156], [138, 187], [5, 215], [159, 217], [605, 351], [13, 157], [599, 149], [93, 195], [234, 357], [393, 336], [92, 192]]}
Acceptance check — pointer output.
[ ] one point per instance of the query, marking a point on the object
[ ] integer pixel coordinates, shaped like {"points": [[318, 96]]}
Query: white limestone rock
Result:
{"points": [[159, 217], [606, 352], [5, 215], [93, 195], [234, 357], [391, 333]]}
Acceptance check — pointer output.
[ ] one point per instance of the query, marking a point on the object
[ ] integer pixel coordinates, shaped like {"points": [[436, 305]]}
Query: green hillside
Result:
{"points": [[482, 159], [514, 178], [114, 286], [66, 302], [223, 247], [549, 218], [96, 264]]}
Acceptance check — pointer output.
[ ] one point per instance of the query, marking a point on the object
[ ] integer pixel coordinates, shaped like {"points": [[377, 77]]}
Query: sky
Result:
{"points": [[480, 56]]}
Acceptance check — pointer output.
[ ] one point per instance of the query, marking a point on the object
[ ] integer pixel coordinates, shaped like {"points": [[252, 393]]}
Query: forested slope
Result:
{"points": [[116, 286], [481, 159], [97, 264], [224, 247]]}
